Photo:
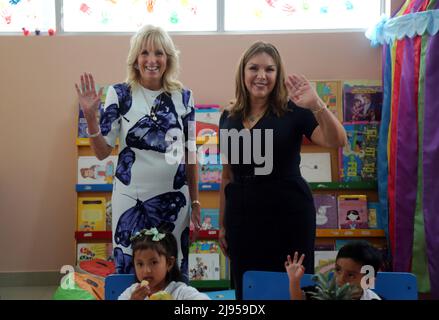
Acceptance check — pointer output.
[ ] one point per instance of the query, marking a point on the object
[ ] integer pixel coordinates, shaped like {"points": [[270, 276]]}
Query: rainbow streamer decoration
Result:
{"points": [[408, 148]]}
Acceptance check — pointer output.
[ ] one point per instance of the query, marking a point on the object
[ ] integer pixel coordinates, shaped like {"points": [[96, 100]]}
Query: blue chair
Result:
{"points": [[396, 286], [115, 284], [266, 285]]}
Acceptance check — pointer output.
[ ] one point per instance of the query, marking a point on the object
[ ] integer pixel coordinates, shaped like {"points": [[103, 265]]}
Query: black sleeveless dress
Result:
{"points": [[268, 216]]}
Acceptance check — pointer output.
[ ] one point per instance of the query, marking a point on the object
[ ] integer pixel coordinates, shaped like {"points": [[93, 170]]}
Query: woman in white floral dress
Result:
{"points": [[150, 115]]}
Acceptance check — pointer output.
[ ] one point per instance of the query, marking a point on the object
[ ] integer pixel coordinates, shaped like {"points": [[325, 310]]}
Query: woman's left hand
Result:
{"points": [[195, 216], [302, 93]]}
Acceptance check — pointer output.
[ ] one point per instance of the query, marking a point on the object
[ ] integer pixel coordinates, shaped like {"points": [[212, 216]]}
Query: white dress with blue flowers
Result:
{"points": [[148, 190]]}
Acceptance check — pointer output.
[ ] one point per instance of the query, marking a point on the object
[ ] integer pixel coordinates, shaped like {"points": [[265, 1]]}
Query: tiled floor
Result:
{"points": [[27, 293]]}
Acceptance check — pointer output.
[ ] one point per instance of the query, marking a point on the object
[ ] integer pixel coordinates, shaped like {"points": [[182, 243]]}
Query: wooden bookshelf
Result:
{"points": [[320, 233], [94, 187], [350, 233], [210, 284], [206, 234], [363, 185], [84, 236]]}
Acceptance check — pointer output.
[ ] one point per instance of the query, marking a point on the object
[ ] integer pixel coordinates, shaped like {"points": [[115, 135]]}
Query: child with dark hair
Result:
{"points": [[348, 264], [154, 258]]}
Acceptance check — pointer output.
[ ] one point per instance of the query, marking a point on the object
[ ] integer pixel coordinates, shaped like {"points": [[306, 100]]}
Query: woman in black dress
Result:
{"points": [[266, 207]]}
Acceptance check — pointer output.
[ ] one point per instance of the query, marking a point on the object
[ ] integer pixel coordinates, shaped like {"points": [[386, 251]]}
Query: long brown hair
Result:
{"points": [[278, 98]]}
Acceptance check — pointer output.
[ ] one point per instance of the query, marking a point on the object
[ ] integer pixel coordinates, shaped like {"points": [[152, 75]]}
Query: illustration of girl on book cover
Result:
{"points": [[99, 172]]}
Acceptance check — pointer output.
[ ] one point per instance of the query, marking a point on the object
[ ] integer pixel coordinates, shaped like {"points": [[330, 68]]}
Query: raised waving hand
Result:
{"points": [[302, 93], [88, 98]]}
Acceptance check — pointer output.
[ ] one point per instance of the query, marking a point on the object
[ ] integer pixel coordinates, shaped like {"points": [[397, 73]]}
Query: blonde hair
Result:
{"points": [[158, 37], [278, 98]]}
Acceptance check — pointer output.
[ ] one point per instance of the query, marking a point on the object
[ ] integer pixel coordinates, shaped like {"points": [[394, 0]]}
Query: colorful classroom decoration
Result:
{"points": [[408, 160], [130, 15], [299, 14], [27, 16]]}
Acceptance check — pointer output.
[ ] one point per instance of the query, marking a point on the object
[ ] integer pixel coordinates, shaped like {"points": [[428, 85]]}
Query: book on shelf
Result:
{"points": [[207, 121], [362, 100], [326, 211], [82, 126], [209, 219], [210, 176], [316, 166], [324, 261], [204, 260], [109, 216], [91, 214], [204, 246], [90, 251], [94, 171], [208, 154], [204, 266], [224, 267], [209, 172], [352, 212], [374, 211], [358, 159], [330, 91], [209, 169]]}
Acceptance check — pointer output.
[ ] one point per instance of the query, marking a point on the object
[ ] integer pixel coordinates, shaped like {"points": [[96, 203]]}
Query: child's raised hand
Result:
{"points": [[141, 292], [295, 269]]}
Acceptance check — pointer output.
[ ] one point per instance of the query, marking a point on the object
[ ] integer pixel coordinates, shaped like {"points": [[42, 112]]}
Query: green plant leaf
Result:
{"points": [[344, 292]]}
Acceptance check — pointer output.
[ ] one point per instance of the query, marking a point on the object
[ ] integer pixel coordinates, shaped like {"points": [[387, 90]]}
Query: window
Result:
{"points": [[188, 15], [31, 15], [129, 16], [241, 15]]}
